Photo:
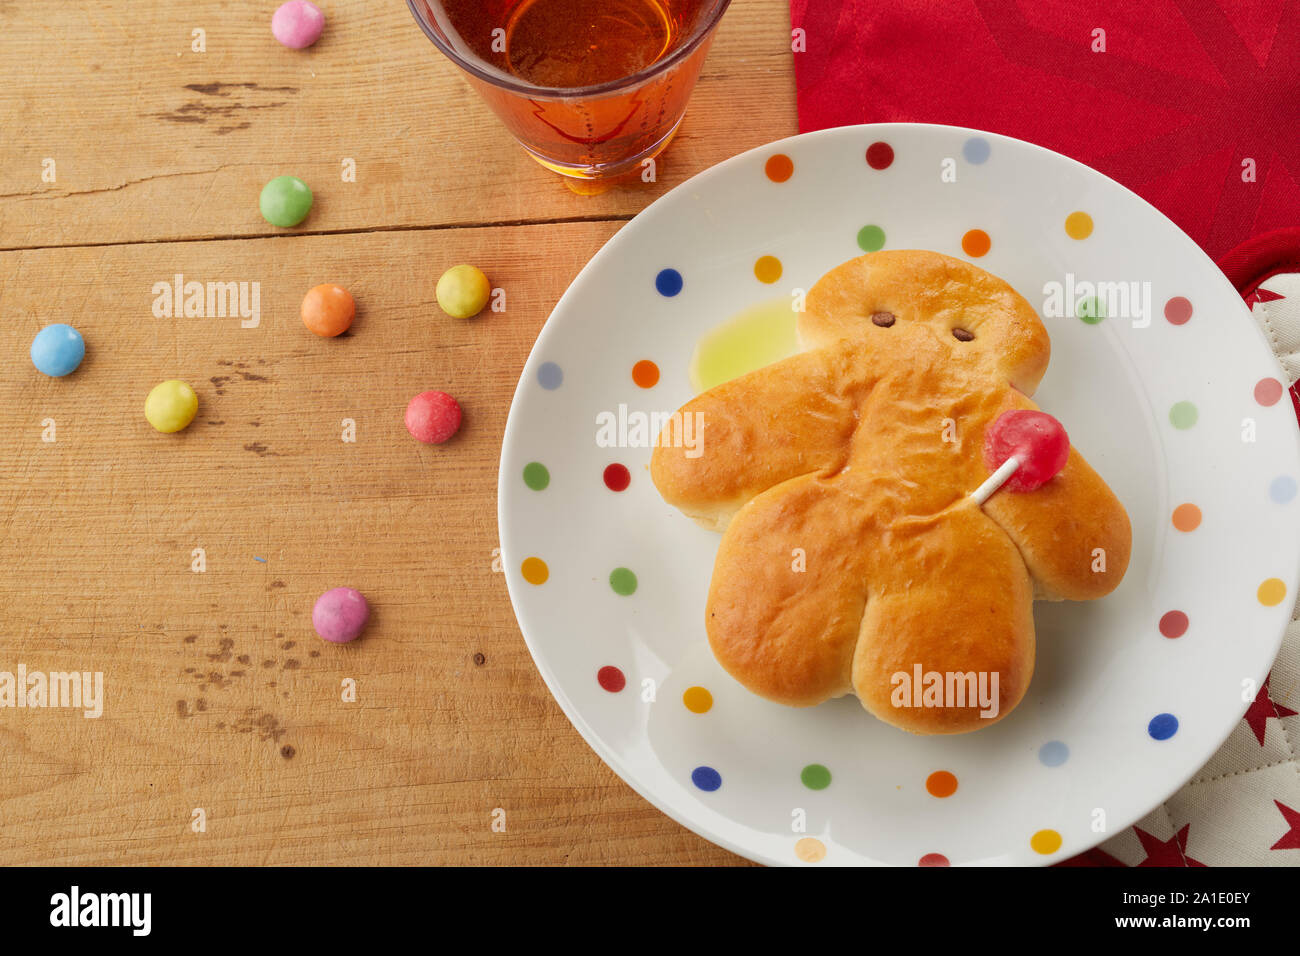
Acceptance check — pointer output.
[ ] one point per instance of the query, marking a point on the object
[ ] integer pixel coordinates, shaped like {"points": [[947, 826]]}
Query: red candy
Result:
{"points": [[433, 417], [1036, 438]]}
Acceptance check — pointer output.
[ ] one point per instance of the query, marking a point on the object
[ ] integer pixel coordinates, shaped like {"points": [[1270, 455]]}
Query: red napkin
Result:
{"points": [[1183, 94]]}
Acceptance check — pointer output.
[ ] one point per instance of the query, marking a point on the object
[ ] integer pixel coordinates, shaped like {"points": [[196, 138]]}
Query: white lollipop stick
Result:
{"points": [[995, 480]]}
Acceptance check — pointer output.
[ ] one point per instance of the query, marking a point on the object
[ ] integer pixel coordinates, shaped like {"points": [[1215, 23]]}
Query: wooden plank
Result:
{"points": [[153, 141], [218, 694]]}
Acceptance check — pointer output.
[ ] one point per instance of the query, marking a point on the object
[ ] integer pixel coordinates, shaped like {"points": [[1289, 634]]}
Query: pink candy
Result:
{"points": [[1037, 440], [297, 24], [340, 615], [433, 417]]}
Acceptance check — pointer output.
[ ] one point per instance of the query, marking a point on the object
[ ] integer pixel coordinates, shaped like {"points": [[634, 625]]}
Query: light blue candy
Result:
{"points": [[58, 349]]}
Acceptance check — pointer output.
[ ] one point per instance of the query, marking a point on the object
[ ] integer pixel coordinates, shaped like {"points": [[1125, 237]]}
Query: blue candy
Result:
{"points": [[58, 349]]}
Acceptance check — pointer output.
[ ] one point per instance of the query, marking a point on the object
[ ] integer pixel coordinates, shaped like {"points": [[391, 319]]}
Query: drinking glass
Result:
{"points": [[590, 88]]}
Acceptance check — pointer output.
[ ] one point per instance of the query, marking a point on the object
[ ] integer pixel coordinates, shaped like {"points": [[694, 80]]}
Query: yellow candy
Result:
{"points": [[463, 291], [171, 406]]}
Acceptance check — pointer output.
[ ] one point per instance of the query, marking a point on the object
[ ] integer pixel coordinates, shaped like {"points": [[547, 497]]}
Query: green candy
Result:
{"points": [[285, 201]]}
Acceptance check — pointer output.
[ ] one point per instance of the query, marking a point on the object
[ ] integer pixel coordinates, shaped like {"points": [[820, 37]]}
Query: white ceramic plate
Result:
{"points": [[1177, 405]]}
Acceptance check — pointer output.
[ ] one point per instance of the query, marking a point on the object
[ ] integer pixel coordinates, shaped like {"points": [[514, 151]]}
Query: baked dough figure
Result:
{"points": [[851, 553]]}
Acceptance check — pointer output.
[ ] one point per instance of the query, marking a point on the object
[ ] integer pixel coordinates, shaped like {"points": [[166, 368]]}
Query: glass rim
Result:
{"points": [[503, 81]]}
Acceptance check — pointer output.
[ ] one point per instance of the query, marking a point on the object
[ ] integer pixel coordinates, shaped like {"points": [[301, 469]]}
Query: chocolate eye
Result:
{"points": [[882, 319], [961, 335]]}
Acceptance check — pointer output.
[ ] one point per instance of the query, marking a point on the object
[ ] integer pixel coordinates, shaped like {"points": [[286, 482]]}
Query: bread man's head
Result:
{"points": [[901, 303]]}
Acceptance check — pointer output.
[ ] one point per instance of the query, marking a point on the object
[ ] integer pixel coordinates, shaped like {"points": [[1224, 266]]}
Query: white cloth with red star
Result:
{"points": [[1275, 303], [1243, 807]]}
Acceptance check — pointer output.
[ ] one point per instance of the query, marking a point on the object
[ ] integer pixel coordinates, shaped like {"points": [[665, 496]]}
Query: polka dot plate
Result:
{"points": [[1159, 374]]}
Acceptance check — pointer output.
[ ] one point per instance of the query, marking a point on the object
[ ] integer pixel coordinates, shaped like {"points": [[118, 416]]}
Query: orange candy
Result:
{"points": [[328, 310]]}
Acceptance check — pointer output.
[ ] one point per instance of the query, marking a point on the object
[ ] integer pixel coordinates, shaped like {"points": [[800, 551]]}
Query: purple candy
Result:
{"points": [[297, 24], [340, 615]]}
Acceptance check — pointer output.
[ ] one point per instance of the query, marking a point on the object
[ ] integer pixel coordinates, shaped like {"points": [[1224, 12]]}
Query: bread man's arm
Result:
{"points": [[747, 435], [1072, 531]]}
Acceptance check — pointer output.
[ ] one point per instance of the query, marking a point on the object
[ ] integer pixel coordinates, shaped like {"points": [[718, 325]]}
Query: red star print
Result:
{"points": [[1171, 852], [1262, 295], [1291, 839], [1262, 709]]}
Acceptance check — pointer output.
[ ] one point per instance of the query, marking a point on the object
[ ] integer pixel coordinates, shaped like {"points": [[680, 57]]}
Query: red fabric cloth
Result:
{"points": [[1185, 91], [1261, 258]]}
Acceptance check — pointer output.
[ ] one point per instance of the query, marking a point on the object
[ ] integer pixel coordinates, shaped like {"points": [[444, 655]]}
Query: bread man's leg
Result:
{"points": [[789, 587], [947, 641]]}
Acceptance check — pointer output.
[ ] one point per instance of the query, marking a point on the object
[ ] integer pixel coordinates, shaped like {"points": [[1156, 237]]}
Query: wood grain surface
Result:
{"points": [[154, 141], [218, 693]]}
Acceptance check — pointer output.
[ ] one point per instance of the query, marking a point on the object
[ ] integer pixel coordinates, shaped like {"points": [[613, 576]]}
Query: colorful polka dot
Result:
{"points": [[1183, 415], [1187, 517], [536, 476], [617, 477], [933, 859], [1053, 753], [815, 777], [976, 243], [810, 850], [1162, 726], [706, 778], [535, 570], [1271, 592], [645, 373], [1268, 391], [779, 167], [668, 282], [941, 784], [767, 269], [1173, 624], [976, 150], [622, 581], [1091, 310], [698, 700], [880, 155], [871, 238], [611, 678], [1045, 842], [1282, 489], [550, 376], [1178, 310], [1078, 225]]}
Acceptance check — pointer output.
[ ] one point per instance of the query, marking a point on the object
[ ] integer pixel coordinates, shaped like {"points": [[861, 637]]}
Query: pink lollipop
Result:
{"points": [[1024, 450]]}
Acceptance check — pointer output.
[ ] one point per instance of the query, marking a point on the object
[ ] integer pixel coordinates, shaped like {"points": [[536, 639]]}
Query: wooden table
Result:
{"points": [[218, 694]]}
